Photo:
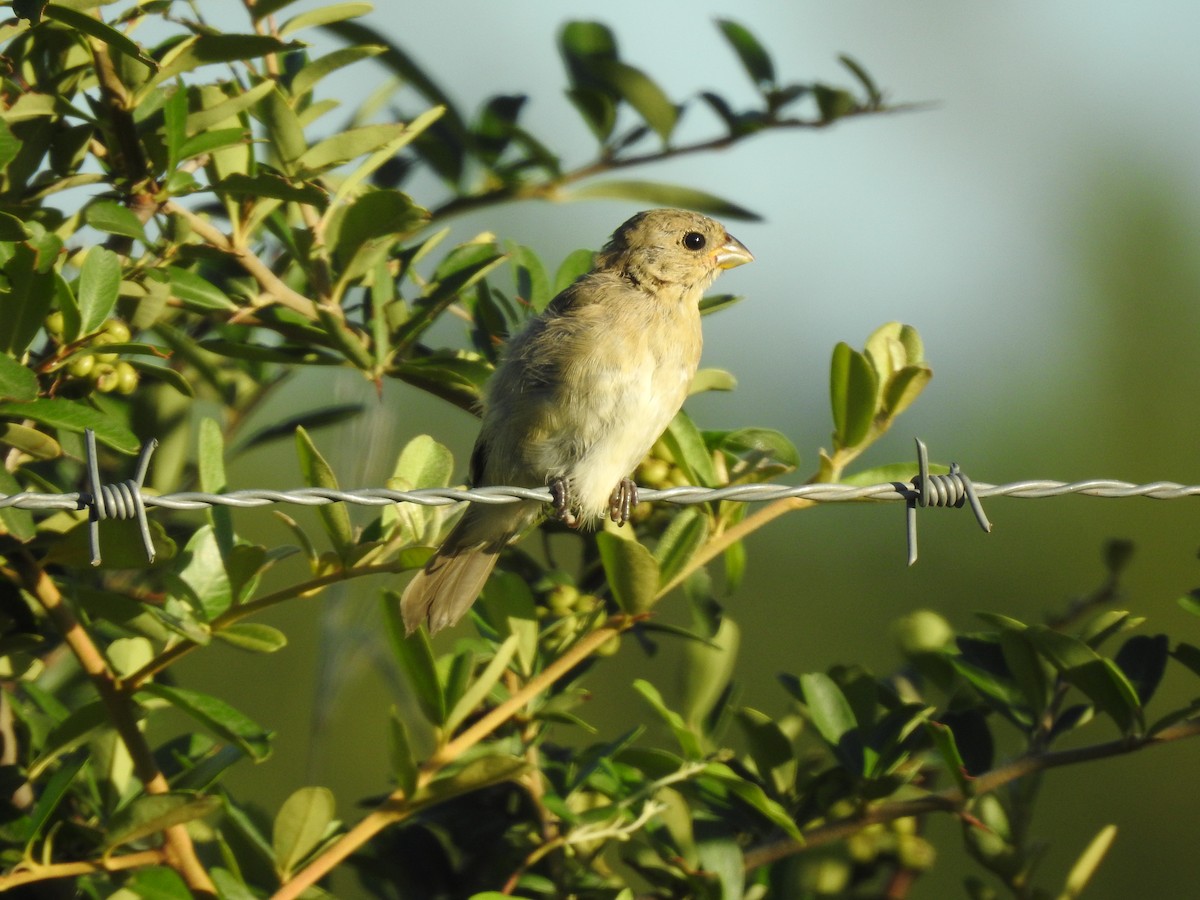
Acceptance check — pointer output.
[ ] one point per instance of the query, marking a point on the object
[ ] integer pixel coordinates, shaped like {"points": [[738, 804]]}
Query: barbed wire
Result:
{"points": [[126, 500]]}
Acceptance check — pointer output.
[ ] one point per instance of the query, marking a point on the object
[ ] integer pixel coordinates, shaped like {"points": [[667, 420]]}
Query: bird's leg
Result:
{"points": [[560, 493], [624, 498]]}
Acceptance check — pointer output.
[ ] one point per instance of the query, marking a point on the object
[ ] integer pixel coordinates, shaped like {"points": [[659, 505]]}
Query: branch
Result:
{"points": [[30, 872], [953, 800], [177, 651], [549, 190], [178, 844], [259, 270], [398, 806]]}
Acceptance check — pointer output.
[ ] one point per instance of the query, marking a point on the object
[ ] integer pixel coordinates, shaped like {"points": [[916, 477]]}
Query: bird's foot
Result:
{"points": [[624, 498], [560, 493]]}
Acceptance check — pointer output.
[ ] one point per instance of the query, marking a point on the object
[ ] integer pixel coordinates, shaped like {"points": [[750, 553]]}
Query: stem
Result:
{"points": [[548, 190], [29, 872], [953, 800], [177, 651], [397, 806], [721, 542], [261, 272], [121, 712]]}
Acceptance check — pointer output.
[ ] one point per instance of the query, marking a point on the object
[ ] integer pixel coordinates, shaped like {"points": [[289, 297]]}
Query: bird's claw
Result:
{"points": [[624, 498], [560, 494]]}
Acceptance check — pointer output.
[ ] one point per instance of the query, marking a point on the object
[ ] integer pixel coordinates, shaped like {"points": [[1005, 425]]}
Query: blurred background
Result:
{"points": [[1037, 220]]}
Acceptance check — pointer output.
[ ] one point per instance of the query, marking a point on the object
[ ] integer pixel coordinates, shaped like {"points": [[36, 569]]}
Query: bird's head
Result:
{"points": [[672, 247]]}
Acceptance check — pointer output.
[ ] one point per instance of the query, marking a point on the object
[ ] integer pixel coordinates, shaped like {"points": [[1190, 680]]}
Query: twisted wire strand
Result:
{"points": [[1033, 489], [126, 500]]}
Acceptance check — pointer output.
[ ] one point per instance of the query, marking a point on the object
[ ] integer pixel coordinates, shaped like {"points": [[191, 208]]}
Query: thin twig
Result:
{"points": [[180, 852], [953, 800], [261, 272], [398, 806]]}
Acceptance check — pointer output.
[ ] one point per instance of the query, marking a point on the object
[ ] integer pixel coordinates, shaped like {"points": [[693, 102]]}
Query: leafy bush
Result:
{"points": [[180, 222]]}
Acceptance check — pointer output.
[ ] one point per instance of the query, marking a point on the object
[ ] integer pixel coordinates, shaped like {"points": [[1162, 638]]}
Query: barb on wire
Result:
{"points": [[952, 489], [116, 501], [126, 500]]}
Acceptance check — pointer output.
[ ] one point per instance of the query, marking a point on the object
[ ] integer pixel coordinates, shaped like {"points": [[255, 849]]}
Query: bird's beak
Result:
{"points": [[732, 253]]}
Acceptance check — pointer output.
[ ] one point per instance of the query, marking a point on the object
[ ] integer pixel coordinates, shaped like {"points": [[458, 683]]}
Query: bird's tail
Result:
{"points": [[442, 592]]}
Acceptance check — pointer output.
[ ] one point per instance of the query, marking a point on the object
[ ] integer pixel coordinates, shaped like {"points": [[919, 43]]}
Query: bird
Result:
{"points": [[579, 397]]}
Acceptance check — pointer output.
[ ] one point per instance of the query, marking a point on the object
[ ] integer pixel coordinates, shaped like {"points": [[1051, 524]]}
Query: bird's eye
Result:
{"points": [[694, 240]]}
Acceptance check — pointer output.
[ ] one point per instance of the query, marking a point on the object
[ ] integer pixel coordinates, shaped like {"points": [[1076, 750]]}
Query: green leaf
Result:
{"points": [[16, 381], [576, 263], [308, 77], [1187, 655], [404, 761], [351, 144], [415, 657], [689, 742], [1099, 678], [689, 451], [99, 284], [111, 217], [253, 636], [1190, 602], [209, 48], [474, 696], [300, 825], [874, 95], [27, 301], [640, 92], [679, 542], [17, 522], [29, 440], [318, 473], [532, 283], [158, 883], [833, 718], [51, 794], [74, 415], [754, 57], [324, 15], [479, 773], [121, 543], [1143, 660], [656, 193], [1089, 861], [717, 302], [197, 292], [759, 445], [712, 380], [150, 814], [708, 668], [754, 796], [287, 134], [272, 187], [201, 572], [631, 571], [217, 716], [372, 224], [852, 388], [947, 748], [225, 109], [91, 25], [73, 731]]}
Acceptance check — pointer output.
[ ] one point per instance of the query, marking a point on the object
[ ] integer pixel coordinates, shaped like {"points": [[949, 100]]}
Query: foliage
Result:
{"points": [[186, 222]]}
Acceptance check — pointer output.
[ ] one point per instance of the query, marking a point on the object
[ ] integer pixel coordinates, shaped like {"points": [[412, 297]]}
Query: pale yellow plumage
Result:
{"points": [[582, 394]]}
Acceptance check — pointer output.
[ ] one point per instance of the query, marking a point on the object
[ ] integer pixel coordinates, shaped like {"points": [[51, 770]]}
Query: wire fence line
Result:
{"points": [[126, 499], [747, 493]]}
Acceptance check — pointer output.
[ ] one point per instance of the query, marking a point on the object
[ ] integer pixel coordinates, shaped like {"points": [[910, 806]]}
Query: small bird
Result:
{"points": [[580, 397]]}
